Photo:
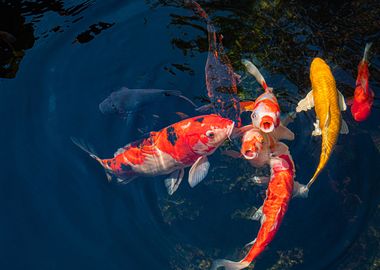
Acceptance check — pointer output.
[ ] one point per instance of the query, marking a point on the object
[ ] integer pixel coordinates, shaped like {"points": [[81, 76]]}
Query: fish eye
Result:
{"points": [[210, 134]]}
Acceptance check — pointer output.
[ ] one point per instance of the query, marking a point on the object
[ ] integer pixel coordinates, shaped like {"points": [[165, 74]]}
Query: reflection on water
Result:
{"points": [[57, 206], [13, 16], [94, 30]]}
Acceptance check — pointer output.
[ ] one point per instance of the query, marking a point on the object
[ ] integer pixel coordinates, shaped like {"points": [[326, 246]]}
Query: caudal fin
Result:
{"points": [[213, 44], [366, 50], [85, 147], [229, 265], [198, 9], [253, 70]]}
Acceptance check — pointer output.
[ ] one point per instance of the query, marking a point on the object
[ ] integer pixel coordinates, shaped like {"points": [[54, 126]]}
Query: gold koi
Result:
{"points": [[328, 102]]}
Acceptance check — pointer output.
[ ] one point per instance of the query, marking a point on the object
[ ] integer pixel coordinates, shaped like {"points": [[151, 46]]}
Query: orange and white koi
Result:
{"points": [[257, 146], [278, 195], [265, 110], [170, 150], [363, 95]]}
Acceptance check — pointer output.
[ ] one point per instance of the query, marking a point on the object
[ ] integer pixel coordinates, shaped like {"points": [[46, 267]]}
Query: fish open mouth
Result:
{"points": [[250, 154], [267, 125]]}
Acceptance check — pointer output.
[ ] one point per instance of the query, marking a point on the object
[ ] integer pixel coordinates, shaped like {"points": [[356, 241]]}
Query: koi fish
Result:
{"points": [[278, 195], [265, 110], [328, 103], [221, 80], [168, 151], [257, 147], [364, 95], [126, 101]]}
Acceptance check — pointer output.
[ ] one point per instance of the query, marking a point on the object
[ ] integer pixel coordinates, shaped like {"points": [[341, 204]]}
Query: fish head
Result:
{"points": [[266, 113], [252, 143], [266, 120], [107, 106], [316, 65], [208, 132]]}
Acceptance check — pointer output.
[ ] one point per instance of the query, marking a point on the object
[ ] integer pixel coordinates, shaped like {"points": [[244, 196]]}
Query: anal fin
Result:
{"points": [[283, 133], [344, 127]]}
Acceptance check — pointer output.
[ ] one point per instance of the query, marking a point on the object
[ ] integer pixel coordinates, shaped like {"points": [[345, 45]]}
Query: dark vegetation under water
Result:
{"points": [[60, 59]]}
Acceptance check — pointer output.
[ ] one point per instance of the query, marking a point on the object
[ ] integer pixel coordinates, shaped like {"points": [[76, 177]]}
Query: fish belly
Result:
{"points": [[159, 163]]}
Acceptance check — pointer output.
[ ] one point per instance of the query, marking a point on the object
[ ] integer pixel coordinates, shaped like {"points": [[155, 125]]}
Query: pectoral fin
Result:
{"points": [[232, 153], [283, 133], [173, 181], [307, 103], [342, 103], [258, 214], [198, 171], [238, 132], [344, 127], [278, 149]]}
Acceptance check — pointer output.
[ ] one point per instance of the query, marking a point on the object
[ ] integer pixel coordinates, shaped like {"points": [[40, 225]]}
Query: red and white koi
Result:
{"points": [[265, 110], [363, 95], [170, 150], [278, 195]]}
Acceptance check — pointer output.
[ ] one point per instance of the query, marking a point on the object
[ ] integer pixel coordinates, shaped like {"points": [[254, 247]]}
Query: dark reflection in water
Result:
{"points": [[13, 22], [60, 213], [95, 29]]}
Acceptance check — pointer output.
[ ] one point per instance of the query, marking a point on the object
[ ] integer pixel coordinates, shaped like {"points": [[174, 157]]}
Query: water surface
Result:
{"points": [[59, 212]]}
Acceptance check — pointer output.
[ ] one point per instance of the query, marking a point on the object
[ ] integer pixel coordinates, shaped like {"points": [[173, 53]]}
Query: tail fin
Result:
{"points": [[312, 180], [210, 27], [253, 70], [198, 10], [366, 50], [85, 147], [229, 265]]}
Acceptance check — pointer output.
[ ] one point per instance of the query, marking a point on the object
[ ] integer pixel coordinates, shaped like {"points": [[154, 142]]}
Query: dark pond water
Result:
{"points": [[59, 212]]}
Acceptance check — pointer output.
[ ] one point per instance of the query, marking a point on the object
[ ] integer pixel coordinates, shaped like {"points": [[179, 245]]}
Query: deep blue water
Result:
{"points": [[59, 212]]}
